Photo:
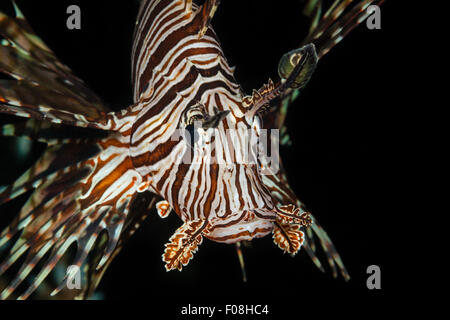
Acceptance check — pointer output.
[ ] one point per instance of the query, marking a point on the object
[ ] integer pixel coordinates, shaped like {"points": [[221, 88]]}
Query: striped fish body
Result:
{"points": [[191, 143]]}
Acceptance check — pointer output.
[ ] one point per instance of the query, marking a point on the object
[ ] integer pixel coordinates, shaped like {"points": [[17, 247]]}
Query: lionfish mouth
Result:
{"points": [[245, 225]]}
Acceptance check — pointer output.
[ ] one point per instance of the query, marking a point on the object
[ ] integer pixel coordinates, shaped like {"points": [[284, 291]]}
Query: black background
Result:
{"points": [[338, 165]]}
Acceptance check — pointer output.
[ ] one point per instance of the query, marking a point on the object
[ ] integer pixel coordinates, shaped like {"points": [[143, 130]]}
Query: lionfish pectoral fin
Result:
{"points": [[184, 243], [329, 29], [42, 88], [333, 258], [289, 238], [206, 13], [163, 208], [30, 129]]}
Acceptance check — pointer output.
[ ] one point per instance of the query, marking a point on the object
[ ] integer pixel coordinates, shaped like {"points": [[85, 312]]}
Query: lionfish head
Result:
{"points": [[209, 158], [223, 183]]}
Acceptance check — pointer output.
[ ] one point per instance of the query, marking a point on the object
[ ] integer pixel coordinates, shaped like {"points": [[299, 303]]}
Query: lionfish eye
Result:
{"points": [[192, 120], [192, 135]]}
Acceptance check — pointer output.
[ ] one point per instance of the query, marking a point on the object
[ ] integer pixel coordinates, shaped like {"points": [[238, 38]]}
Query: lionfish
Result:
{"points": [[95, 183]]}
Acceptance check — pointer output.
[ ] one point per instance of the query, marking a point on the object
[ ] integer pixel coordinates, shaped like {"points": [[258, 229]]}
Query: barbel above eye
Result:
{"points": [[301, 61], [214, 120], [295, 70]]}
